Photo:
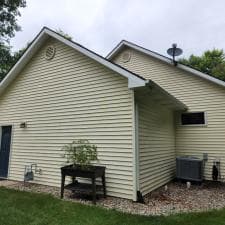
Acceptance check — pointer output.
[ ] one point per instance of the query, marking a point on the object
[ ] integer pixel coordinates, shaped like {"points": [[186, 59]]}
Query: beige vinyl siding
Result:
{"points": [[156, 145], [66, 98], [199, 95]]}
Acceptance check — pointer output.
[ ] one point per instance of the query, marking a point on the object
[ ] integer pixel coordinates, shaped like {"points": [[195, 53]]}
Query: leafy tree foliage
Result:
{"points": [[65, 35], [9, 11], [80, 152], [8, 59], [211, 62]]}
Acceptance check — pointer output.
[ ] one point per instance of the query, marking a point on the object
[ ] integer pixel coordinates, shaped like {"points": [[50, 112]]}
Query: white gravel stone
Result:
{"points": [[175, 199]]}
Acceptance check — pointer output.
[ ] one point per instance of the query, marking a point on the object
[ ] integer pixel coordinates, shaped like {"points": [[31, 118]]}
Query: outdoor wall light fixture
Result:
{"points": [[23, 125]]}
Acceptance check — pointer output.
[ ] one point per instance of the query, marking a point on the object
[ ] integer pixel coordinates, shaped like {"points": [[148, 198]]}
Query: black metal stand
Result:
{"points": [[91, 172]]}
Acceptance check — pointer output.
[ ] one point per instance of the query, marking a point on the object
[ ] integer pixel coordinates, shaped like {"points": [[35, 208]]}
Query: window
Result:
{"points": [[196, 118]]}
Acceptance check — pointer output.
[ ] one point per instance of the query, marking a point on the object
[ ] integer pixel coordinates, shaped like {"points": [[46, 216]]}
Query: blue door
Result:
{"points": [[5, 150]]}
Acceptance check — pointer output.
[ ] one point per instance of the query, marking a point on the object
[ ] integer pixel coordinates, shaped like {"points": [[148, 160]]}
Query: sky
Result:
{"points": [[100, 25]]}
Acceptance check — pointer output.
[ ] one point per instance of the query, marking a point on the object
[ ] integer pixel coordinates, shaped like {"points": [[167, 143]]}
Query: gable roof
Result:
{"points": [[134, 80], [165, 59]]}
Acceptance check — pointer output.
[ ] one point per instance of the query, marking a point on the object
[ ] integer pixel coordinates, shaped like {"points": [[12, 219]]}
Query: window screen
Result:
{"points": [[193, 118]]}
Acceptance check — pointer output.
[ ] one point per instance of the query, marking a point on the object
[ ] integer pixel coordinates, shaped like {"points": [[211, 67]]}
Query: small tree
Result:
{"points": [[211, 62], [80, 153]]}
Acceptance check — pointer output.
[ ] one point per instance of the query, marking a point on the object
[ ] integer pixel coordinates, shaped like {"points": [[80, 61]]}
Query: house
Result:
{"points": [[203, 95], [128, 104]]}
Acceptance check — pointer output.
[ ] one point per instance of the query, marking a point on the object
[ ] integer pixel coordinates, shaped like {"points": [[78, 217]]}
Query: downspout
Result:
{"points": [[136, 184], [134, 147]]}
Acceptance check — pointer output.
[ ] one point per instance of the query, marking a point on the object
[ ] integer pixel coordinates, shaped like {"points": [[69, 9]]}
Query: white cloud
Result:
{"points": [[154, 24]]}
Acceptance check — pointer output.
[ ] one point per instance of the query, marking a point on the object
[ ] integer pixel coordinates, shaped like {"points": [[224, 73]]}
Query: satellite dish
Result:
{"points": [[174, 51]]}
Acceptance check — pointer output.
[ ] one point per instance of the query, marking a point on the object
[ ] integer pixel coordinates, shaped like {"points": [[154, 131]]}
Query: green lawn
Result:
{"points": [[21, 208]]}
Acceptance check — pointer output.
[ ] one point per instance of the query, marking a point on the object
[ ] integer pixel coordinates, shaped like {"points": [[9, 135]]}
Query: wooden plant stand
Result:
{"points": [[91, 172]]}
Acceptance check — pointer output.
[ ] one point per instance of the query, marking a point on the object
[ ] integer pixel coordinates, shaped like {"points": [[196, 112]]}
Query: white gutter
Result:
{"points": [[200, 74]]}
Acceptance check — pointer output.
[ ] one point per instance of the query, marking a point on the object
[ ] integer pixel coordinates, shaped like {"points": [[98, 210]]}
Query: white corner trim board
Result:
{"points": [[155, 55]]}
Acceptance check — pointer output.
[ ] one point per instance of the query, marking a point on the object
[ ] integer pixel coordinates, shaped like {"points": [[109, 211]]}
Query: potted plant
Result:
{"points": [[79, 154]]}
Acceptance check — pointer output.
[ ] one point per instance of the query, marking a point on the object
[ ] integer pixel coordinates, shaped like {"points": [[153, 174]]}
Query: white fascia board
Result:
{"points": [[147, 52], [115, 50], [22, 61], [202, 75], [133, 81], [165, 59]]}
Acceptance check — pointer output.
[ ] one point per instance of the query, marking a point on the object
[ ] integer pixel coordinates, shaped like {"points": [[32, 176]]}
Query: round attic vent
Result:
{"points": [[50, 52], [126, 57]]}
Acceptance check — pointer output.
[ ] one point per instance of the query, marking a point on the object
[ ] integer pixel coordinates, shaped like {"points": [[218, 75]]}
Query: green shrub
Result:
{"points": [[80, 152]]}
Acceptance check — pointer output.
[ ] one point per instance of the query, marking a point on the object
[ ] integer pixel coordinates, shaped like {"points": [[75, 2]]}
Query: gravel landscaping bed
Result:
{"points": [[177, 198]]}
